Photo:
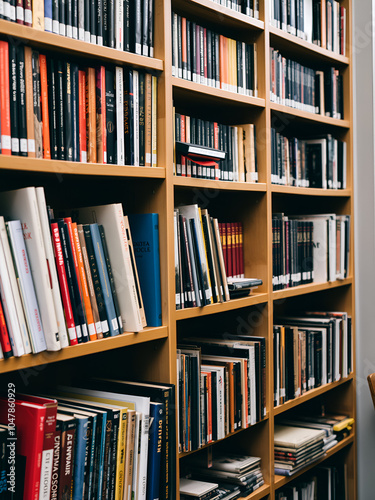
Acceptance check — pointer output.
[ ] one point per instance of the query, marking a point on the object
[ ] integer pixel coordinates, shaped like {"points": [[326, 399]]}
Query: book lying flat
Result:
{"points": [[195, 488], [296, 437]]}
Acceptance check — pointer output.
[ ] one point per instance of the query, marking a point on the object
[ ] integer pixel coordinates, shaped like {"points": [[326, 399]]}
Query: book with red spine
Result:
{"points": [[82, 116], [229, 250], [91, 115], [63, 282], [44, 103], [101, 122], [6, 148], [4, 335], [68, 429], [20, 12], [242, 263], [238, 264], [29, 419]]}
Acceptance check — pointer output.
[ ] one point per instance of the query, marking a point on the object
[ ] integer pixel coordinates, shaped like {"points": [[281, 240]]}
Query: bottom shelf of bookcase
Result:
{"points": [[261, 492], [75, 351], [282, 480]]}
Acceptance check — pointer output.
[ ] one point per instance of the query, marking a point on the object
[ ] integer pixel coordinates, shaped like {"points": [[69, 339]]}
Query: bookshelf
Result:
{"points": [[151, 354]]}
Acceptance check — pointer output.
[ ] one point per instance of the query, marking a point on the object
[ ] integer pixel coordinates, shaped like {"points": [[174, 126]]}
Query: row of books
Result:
{"points": [[231, 234], [325, 482], [203, 56], [310, 350], [248, 7], [56, 109], [314, 163], [293, 84], [111, 439], [233, 475], [316, 21], [64, 283], [199, 260], [238, 142], [125, 25], [221, 387], [309, 249]]}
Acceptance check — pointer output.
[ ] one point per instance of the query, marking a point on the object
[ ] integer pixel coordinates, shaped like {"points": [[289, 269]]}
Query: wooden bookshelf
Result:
{"points": [[151, 354]]}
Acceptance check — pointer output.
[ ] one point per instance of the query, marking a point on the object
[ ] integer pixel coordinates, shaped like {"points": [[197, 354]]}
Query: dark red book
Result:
{"points": [[68, 429], [229, 250], [183, 139], [4, 335], [241, 258]]}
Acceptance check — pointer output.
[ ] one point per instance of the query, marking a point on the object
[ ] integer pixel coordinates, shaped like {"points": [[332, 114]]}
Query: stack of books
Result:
{"points": [[114, 441], [296, 447], [128, 26], [201, 490], [248, 7], [57, 109]]}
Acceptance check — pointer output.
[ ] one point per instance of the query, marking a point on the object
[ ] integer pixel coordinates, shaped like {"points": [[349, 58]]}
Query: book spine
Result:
{"points": [[48, 15], [15, 142], [66, 460], [68, 123], [119, 25], [91, 115], [86, 21], [48, 452], [44, 102], [99, 22], [142, 124], [5, 128], [111, 40], [148, 119], [75, 111], [56, 463], [101, 137], [82, 116], [126, 24], [62, 18], [52, 104], [93, 11], [29, 102], [120, 116], [60, 111], [128, 100], [37, 109], [154, 121], [4, 336], [110, 116], [55, 17], [151, 28], [136, 117], [145, 16], [38, 14], [69, 17]]}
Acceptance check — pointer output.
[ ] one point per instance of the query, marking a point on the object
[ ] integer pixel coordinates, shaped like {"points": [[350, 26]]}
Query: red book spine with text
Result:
{"points": [[44, 102], [229, 251], [4, 335], [101, 128], [20, 13], [29, 420], [209, 406], [82, 116], [238, 258], [242, 263], [234, 249], [63, 282], [4, 99]]}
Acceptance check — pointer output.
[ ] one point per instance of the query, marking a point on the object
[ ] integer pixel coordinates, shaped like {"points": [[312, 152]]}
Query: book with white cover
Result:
{"points": [[42, 206], [287, 436], [194, 488], [22, 204], [18, 316], [28, 294], [120, 116], [119, 24], [112, 219]]}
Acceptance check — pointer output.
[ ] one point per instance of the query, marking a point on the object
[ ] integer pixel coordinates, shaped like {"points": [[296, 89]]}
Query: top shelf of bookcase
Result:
{"points": [[88, 51]]}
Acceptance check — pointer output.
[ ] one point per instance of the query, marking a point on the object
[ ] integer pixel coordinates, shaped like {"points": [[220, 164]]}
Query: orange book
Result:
{"points": [[29, 103], [44, 102], [6, 147], [83, 283], [222, 62], [209, 406], [101, 135], [148, 123], [82, 116], [91, 115]]}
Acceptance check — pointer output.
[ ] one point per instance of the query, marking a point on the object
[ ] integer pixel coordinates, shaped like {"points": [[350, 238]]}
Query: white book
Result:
{"points": [[119, 24], [81, 20], [220, 397], [33, 316], [20, 315], [195, 488], [22, 204], [136, 117], [296, 437], [42, 206], [112, 218], [120, 116]]}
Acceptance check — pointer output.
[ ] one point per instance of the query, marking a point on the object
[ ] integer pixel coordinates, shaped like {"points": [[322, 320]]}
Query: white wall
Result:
{"points": [[364, 201]]}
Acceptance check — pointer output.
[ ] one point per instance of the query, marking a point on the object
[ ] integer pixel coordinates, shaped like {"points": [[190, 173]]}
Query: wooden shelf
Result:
{"points": [[63, 44], [283, 480], [224, 185], [337, 193], [211, 94], [281, 39], [77, 351], [309, 288], [261, 492], [313, 393], [74, 168], [305, 115], [196, 312]]}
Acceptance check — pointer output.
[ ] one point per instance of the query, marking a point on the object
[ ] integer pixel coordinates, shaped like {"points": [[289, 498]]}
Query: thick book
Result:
{"points": [[120, 115], [296, 437], [154, 450], [110, 114], [14, 99]]}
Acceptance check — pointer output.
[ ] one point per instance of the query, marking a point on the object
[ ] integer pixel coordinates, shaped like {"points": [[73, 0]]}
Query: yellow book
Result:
{"points": [[121, 452]]}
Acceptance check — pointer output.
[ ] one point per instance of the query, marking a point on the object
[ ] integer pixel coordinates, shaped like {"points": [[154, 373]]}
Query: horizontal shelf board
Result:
{"points": [[77, 168], [187, 453], [309, 288], [196, 312], [310, 191], [261, 492], [281, 38], [76, 351], [310, 395], [212, 184], [305, 115], [212, 94], [86, 50], [283, 480], [218, 13]]}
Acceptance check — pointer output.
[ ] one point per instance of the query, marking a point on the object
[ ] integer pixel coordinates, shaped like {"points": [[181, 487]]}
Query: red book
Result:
{"points": [[216, 146], [4, 335], [20, 13], [44, 102], [29, 420], [63, 282], [229, 251], [183, 139], [101, 127], [234, 249], [68, 429], [82, 116], [242, 263], [28, 15], [48, 442], [6, 148]]}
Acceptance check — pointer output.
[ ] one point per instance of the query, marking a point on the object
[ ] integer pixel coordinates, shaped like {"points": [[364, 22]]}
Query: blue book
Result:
{"points": [[48, 15], [154, 450], [104, 280], [145, 236]]}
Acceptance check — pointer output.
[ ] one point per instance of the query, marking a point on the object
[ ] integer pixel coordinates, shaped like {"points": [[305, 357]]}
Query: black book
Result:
{"points": [[55, 17], [209, 253], [74, 19], [60, 111], [142, 127], [193, 52], [209, 57], [329, 75], [318, 358], [67, 95], [75, 111], [62, 17], [127, 47], [87, 20], [110, 103], [110, 36], [105, 22], [69, 18], [93, 23], [128, 116], [14, 98], [179, 69], [239, 67], [99, 22], [96, 281], [22, 126], [144, 38], [52, 104], [187, 280], [151, 28], [198, 264], [136, 27], [188, 49], [201, 55], [37, 105]]}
